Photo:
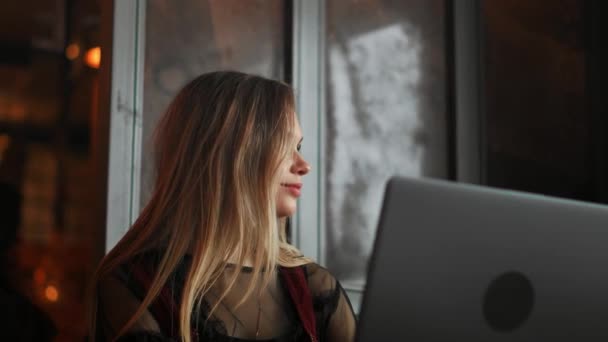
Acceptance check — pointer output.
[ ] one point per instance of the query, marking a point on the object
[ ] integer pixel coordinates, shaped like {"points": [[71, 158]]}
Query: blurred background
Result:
{"points": [[500, 93], [49, 80]]}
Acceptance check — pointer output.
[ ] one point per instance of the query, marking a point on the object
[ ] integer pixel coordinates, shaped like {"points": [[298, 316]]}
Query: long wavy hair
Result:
{"points": [[218, 149]]}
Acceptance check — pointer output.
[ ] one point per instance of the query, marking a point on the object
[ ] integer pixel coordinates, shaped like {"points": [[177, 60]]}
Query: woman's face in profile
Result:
{"points": [[292, 169]]}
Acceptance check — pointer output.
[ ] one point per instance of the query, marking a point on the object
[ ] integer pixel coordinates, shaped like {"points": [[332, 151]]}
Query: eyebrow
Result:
{"points": [[302, 138]]}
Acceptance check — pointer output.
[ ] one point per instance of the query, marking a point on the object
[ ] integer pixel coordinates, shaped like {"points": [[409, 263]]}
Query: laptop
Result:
{"points": [[455, 262]]}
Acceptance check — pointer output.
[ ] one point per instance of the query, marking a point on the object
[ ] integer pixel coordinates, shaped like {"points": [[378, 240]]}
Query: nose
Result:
{"points": [[300, 166]]}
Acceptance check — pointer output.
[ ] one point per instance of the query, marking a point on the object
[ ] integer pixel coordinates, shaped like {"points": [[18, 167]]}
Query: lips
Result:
{"points": [[293, 185], [294, 188]]}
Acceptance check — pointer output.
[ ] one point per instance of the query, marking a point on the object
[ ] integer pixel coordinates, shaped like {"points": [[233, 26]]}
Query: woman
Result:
{"points": [[208, 258]]}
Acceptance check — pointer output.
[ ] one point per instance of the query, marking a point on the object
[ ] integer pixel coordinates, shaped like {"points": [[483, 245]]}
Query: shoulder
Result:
{"points": [[119, 296], [130, 276], [328, 295], [138, 272], [320, 280]]}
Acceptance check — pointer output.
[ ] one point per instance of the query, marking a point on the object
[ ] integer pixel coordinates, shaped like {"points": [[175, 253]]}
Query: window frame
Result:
{"points": [[306, 71], [125, 128]]}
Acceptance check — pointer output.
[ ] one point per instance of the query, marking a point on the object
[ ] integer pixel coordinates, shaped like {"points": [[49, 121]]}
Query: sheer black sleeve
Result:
{"points": [[117, 303], [335, 317]]}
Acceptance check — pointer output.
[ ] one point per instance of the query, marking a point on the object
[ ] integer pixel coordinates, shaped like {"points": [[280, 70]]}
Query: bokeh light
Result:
{"points": [[51, 293], [93, 57], [72, 51]]}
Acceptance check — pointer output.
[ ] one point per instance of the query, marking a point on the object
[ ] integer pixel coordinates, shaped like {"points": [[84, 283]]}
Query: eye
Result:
{"points": [[299, 147]]}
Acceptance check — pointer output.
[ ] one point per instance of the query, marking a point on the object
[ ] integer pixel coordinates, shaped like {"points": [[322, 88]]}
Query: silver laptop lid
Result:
{"points": [[456, 262]]}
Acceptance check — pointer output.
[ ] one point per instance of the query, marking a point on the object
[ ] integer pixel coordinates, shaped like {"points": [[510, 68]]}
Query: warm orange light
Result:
{"points": [[16, 112], [51, 293], [93, 57], [39, 276], [72, 51], [5, 142]]}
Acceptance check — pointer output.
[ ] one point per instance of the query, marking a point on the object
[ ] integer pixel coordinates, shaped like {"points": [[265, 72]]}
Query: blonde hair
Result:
{"points": [[218, 150]]}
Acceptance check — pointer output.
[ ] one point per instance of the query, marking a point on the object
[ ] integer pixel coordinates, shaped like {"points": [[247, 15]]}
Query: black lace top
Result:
{"points": [[271, 317]]}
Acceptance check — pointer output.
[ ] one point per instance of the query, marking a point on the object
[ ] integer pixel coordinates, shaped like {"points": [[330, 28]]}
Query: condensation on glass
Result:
{"points": [[386, 115], [187, 38]]}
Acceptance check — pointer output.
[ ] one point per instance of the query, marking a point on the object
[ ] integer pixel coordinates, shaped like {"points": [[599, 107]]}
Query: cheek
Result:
{"points": [[284, 169], [286, 204]]}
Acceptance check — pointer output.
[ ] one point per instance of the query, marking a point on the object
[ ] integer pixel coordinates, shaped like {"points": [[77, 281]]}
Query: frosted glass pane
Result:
{"points": [[385, 116], [187, 38]]}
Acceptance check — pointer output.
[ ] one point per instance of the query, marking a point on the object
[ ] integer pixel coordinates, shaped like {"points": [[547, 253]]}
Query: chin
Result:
{"points": [[286, 211]]}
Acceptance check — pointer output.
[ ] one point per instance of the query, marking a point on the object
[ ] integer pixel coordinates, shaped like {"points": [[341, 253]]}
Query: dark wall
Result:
{"points": [[541, 106]]}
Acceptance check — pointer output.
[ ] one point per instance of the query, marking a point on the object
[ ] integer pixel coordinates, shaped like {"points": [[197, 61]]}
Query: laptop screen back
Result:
{"points": [[456, 262]]}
